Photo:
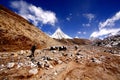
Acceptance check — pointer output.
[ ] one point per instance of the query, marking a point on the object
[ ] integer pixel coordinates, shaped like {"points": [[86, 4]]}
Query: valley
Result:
{"points": [[56, 57]]}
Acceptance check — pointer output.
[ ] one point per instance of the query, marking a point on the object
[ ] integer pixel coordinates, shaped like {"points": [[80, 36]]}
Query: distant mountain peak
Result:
{"points": [[59, 34]]}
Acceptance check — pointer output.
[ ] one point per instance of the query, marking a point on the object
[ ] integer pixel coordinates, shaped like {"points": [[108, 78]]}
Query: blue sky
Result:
{"points": [[77, 18]]}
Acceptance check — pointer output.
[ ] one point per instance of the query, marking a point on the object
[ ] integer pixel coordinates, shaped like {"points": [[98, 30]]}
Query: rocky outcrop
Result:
{"points": [[111, 41]]}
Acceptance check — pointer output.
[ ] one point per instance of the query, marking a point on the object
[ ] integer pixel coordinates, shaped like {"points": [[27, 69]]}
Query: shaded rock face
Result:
{"points": [[16, 33], [112, 41]]}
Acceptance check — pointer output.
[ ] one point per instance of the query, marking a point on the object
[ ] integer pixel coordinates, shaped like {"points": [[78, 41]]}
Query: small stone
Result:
{"points": [[46, 65], [31, 64], [55, 73], [51, 66], [19, 65], [54, 51], [10, 65], [33, 71], [2, 66], [59, 62], [67, 78], [21, 52], [98, 61]]}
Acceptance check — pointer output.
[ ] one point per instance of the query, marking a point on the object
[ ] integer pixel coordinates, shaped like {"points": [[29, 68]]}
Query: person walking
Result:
{"points": [[33, 48]]}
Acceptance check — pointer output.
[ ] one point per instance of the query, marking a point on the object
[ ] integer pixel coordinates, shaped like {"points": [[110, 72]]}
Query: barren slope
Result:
{"points": [[17, 33], [74, 41]]}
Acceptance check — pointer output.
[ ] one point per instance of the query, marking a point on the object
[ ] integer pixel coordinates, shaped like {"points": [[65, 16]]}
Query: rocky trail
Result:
{"points": [[84, 63]]}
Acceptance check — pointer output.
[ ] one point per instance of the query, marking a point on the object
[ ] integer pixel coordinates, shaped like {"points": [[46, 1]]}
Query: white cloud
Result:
{"points": [[79, 32], [86, 25], [84, 32], [89, 16], [70, 14], [35, 14], [104, 32], [105, 27], [68, 18], [110, 21], [76, 37]]}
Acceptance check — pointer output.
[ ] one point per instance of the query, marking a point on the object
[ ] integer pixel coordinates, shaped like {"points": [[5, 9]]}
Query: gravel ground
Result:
{"points": [[84, 63]]}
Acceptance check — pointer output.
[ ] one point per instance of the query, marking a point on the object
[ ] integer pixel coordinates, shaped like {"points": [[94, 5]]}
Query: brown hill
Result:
{"points": [[74, 41], [16, 33]]}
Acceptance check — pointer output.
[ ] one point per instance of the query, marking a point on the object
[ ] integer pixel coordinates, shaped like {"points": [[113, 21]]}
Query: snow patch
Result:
{"points": [[59, 34]]}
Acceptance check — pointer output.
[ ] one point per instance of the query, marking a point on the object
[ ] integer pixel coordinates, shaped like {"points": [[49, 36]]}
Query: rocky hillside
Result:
{"points": [[16, 33], [111, 42]]}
